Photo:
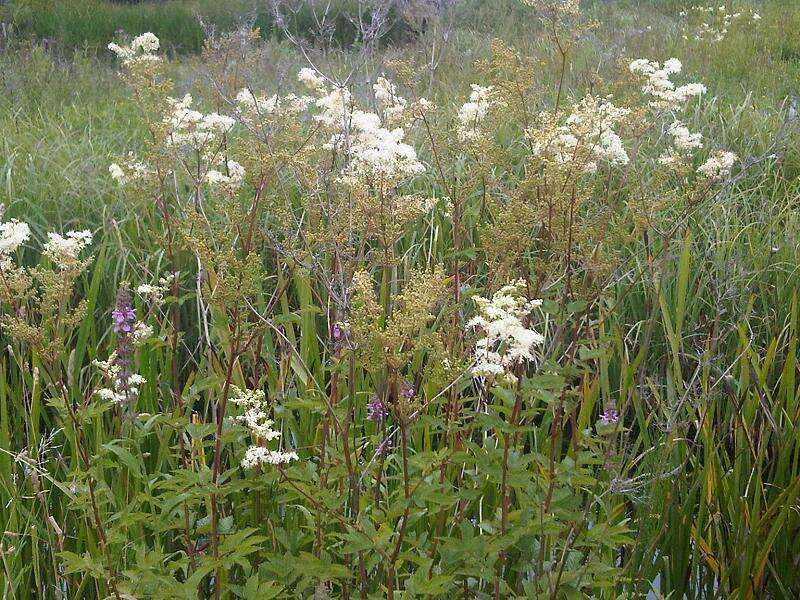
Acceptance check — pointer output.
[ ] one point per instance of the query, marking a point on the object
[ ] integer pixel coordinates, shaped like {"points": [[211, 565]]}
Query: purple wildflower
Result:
{"points": [[610, 415], [385, 447], [124, 316], [377, 411], [406, 390]]}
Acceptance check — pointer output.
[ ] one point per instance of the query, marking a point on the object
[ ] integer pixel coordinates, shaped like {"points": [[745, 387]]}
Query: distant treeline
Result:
{"points": [[182, 24]]}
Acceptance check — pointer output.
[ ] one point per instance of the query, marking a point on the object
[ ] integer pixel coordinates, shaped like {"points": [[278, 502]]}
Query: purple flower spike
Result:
{"points": [[610, 415], [385, 447], [124, 316], [377, 411], [406, 390]]}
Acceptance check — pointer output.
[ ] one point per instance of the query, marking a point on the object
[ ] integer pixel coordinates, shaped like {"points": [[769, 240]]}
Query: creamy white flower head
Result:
{"points": [[253, 106], [424, 105], [232, 181], [236, 171], [191, 128], [659, 85], [311, 79], [392, 105], [718, 166], [373, 150], [64, 250], [141, 332], [109, 395], [385, 91], [215, 178], [292, 104], [250, 103], [260, 425], [117, 174], [683, 139], [123, 53], [13, 234], [380, 153], [247, 398], [136, 379], [131, 170], [506, 341], [147, 289], [586, 138], [140, 51], [217, 123], [334, 106], [611, 149], [147, 43], [672, 65], [689, 90], [154, 293], [246, 99], [472, 113], [257, 455]]}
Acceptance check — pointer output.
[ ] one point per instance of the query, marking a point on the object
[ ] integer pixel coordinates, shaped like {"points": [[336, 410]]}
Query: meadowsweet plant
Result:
{"points": [[711, 24], [41, 309], [355, 327], [507, 342]]}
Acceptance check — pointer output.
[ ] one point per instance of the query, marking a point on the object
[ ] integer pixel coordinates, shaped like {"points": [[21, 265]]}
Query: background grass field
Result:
{"points": [[703, 353]]}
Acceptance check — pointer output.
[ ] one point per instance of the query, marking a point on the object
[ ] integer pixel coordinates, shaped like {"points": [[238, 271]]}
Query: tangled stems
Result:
{"points": [[509, 439], [81, 444], [391, 569]]}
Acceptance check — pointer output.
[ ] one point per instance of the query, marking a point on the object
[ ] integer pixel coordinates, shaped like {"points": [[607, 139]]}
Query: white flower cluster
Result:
{"points": [[258, 455], [430, 203], [141, 332], [125, 388], [155, 292], [718, 166], [392, 105], [142, 49], [377, 152], [374, 151], [587, 137], [506, 341], [189, 128], [13, 234], [713, 21], [255, 418], [472, 114], [663, 91], [255, 107], [131, 170], [147, 43], [311, 79], [335, 107], [232, 181], [683, 142], [65, 250]]}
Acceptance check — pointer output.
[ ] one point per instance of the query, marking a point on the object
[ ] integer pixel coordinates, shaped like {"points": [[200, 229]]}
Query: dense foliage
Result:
{"points": [[494, 317]]}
